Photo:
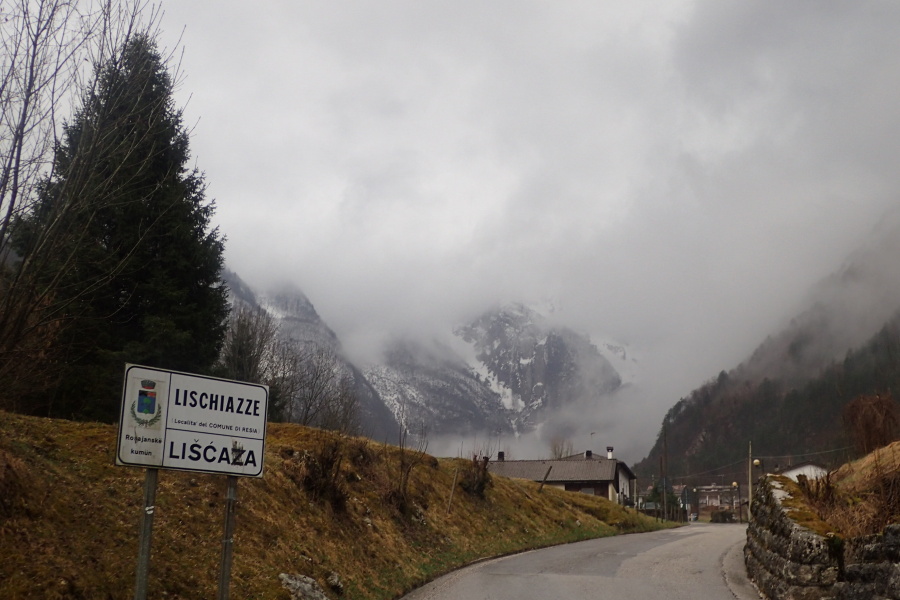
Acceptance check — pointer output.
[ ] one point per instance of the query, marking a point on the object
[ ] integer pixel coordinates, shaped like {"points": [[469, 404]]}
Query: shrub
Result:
{"points": [[871, 421], [476, 479], [722, 516], [15, 487], [318, 472]]}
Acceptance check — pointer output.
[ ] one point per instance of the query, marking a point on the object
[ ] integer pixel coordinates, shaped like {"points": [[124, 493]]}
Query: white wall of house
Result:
{"points": [[811, 472], [624, 484]]}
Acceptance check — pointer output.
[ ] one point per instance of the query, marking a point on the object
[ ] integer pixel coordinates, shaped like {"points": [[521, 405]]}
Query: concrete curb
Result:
{"points": [[735, 572]]}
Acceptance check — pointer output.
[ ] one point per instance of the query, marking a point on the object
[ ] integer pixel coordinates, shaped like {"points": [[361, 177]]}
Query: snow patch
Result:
{"points": [[624, 359]]}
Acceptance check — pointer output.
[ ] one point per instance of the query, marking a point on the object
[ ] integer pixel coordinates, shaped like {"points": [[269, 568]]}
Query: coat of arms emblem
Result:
{"points": [[146, 404]]}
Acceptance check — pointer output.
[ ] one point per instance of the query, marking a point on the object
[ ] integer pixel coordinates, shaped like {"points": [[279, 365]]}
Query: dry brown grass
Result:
{"points": [[69, 518], [861, 497]]}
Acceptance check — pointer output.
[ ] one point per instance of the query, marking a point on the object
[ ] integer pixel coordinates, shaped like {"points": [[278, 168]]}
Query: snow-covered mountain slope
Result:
{"points": [[545, 367], [506, 371], [427, 385], [625, 360], [298, 320], [299, 324]]}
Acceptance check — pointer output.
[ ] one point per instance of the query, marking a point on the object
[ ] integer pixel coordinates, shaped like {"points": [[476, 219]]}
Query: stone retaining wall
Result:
{"points": [[789, 562]]}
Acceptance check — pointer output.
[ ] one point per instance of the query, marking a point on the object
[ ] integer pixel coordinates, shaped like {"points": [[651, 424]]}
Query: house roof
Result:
{"points": [[599, 457], [594, 469], [816, 470], [802, 465]]}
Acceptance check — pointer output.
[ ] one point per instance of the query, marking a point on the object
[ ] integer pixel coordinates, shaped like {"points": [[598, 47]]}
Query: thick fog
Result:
{"points": [[672, 175]]}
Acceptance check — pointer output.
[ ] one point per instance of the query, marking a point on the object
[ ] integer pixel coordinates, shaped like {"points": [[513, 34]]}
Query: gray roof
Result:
{"points": [[602, 469]]}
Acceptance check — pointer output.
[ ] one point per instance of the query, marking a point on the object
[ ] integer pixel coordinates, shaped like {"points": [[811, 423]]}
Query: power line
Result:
{"points": [[744, 461], [808, 453], [713, 470]]}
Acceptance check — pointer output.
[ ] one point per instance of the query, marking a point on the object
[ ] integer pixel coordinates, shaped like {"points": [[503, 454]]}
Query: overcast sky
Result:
{"points": [[674, 175]]}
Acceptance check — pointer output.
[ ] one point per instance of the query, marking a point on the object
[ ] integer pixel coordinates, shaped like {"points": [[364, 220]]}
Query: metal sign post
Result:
{"points": [[228, 540], [173, 420], [143, 564]]}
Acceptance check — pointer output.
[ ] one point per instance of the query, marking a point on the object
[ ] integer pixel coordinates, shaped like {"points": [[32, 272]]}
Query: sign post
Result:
{"points": [[172, 420], [143, 566], [228, 539]]}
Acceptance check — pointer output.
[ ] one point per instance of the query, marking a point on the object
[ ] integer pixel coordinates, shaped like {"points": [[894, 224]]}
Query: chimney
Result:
{"points": [[501, 456], [588, 455], [609, 451]]}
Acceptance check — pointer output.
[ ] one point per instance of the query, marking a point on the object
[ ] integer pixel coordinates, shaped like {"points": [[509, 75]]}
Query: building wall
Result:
{"points": [[595, 488], [810, 471], [624, 483]]}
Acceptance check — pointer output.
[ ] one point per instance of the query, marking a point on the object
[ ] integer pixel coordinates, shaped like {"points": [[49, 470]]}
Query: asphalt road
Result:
{"points": [[699, 560]]}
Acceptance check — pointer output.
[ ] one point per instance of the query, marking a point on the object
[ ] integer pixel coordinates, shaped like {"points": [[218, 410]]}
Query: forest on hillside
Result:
{"points": [[709, 432]]}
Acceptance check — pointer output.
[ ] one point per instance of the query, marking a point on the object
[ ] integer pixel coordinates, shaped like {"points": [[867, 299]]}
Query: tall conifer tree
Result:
{"points": [[141, 280]]}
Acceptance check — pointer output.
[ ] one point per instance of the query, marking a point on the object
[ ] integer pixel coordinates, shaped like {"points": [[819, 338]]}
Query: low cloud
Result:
{"points": [[673, 175]]}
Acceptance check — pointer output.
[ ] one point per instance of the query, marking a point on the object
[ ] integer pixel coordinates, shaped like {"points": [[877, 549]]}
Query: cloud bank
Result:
{"points": [[675, 175]]}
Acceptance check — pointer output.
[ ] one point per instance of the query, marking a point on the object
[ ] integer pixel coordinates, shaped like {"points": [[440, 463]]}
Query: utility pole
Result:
{"points": [[749, 478], [662, 488], [665, 471]]}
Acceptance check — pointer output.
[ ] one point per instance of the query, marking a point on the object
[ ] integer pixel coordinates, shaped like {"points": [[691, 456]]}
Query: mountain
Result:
{"points": [[540, 366], [300, 325], [788, 397], [506, 371], [844, 311], [428, 385]]}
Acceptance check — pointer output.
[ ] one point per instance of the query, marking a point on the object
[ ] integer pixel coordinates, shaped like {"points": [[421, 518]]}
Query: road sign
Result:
{"points": [[173, 420]]}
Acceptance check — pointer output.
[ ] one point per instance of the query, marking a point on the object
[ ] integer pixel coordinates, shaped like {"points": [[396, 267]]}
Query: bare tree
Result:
{"points": [[413, 445], [342, 412], [255, 352], [561, 448], [41, 46], [317, 381], [871, 421], [282, 368], [305, 383], [48, 52], [249, 349]]}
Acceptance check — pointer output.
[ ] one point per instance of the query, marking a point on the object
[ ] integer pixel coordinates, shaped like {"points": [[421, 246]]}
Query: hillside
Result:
{"points": [[69, 518], [859, 498], [427, 385], [541, 367], [788, 396], [712, 426], [509, 370], [301, 327]]}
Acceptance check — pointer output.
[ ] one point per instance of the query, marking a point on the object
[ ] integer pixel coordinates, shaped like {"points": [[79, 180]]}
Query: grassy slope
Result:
{"points": [[69, 519], [859, 498]]}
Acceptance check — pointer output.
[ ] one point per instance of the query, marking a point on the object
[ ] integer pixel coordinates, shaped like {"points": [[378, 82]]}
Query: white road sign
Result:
{"points": [[189, 422]]}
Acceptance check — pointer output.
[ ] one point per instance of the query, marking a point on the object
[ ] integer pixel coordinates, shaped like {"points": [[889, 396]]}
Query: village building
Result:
{"points": [[808, 469], [584, 472]]}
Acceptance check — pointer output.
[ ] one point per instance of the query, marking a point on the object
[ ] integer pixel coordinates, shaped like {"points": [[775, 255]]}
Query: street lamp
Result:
{"points": [[736, 487], [759, 464]]}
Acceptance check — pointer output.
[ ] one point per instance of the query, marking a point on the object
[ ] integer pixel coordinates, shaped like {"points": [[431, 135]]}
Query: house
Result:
{"points": [[587, 473], [809, 469], [718, 496]]}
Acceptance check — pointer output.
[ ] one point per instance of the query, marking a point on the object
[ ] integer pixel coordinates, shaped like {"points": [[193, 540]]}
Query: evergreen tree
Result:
{"points": [[139, 271]]}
